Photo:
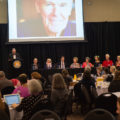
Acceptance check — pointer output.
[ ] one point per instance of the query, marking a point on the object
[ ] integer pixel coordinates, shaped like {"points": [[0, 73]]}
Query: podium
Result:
{"points": [[15, 68]]}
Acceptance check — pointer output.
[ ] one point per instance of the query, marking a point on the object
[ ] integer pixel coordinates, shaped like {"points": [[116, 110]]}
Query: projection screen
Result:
{"points": [[45, 20]]}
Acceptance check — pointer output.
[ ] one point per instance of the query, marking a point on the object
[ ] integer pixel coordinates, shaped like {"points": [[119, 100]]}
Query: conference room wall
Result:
{"points": [[94, 10]]}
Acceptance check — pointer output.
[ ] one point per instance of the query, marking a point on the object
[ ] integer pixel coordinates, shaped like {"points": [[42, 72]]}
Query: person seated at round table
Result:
{"points": [[23, 88], [87, 81], [99, 71], [75, 63], [112, 70], [118, 61], [39, 77], [35, 65], [48, 64], [115, 84], [107, 62], [106, 75], [97, 61], [26, 105], [66, 77], [109, 102], [87, 63]]}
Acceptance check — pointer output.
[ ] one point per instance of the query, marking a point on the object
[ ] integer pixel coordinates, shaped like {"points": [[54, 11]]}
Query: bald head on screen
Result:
{"points": [[55, 15]]}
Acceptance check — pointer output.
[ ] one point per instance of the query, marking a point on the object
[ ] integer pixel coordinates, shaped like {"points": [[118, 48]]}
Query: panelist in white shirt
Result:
{"points": [[48, 64], [62, 64]]}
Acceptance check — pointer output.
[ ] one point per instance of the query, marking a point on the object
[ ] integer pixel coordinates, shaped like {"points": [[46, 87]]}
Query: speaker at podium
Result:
{"points": [[15, 63]]}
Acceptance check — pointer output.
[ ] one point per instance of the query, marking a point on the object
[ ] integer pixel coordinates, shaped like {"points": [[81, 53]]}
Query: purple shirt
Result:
{"points": [[23, 91]]}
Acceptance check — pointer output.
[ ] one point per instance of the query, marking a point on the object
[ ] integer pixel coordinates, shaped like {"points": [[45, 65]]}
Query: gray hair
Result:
{"points": [[34, 86]]}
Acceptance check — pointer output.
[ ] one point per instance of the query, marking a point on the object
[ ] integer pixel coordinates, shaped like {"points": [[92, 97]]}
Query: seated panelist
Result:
{"points": [[62, 64], [107, 62], [48, 64], [87, 63], [35, 65], [75, 63]]}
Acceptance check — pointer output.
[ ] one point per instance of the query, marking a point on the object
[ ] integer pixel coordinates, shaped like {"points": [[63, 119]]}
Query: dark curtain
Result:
{"points": [[102, 37]]}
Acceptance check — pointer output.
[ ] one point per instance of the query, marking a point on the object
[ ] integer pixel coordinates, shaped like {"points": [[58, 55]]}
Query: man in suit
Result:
{"points": [[14, 55], [35, 65], [13, 71], [62, 64], [48, 64]]}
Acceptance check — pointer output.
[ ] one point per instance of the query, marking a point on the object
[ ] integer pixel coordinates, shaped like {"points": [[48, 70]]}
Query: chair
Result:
{"points": [[7, 90], [45, 115], [68, 106], [99, 114], [42, 104], [85, 97]]}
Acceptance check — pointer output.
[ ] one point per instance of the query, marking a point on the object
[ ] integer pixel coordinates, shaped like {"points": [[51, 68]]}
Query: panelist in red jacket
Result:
{"points": [[107, 62]]}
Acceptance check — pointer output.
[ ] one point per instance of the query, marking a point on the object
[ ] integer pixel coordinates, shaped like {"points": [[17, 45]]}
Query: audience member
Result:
{"points": [[23, 89], [106, 75], [4, 82], [115, 84], [39, 77], [15, 82], [66, 77], [75, 63], [112, 70], [118, 61], [27, 103], [99, 71], [88, 82], [59, 93]]}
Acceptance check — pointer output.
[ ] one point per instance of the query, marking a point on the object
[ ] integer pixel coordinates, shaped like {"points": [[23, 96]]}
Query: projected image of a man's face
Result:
{"points": [[55, 15]]}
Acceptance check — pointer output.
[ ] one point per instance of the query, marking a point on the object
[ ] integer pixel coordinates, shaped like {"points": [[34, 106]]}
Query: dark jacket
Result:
{"points": [[58, 99], [114, 86], [5, 83]]}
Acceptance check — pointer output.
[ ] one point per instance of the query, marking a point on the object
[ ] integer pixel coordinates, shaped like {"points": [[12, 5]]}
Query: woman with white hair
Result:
{"points": [[27, 103]]}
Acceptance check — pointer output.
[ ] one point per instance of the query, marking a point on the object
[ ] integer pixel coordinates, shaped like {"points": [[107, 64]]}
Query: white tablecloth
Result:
{"points": [[14, 115]]}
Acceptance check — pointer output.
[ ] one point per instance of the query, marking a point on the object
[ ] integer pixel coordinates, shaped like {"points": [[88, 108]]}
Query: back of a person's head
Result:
{"points": [[34, 87], [87, 74], [22, 78], [113, 68], [117, 75], [99, 68], [35, 75], [2, 75], [58, 81], [108, 102], [106, 70], [65, 73]]}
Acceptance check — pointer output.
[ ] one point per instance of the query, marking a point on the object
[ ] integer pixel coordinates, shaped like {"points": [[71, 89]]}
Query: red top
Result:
{"points": [[107, 63], [86, 64]]}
